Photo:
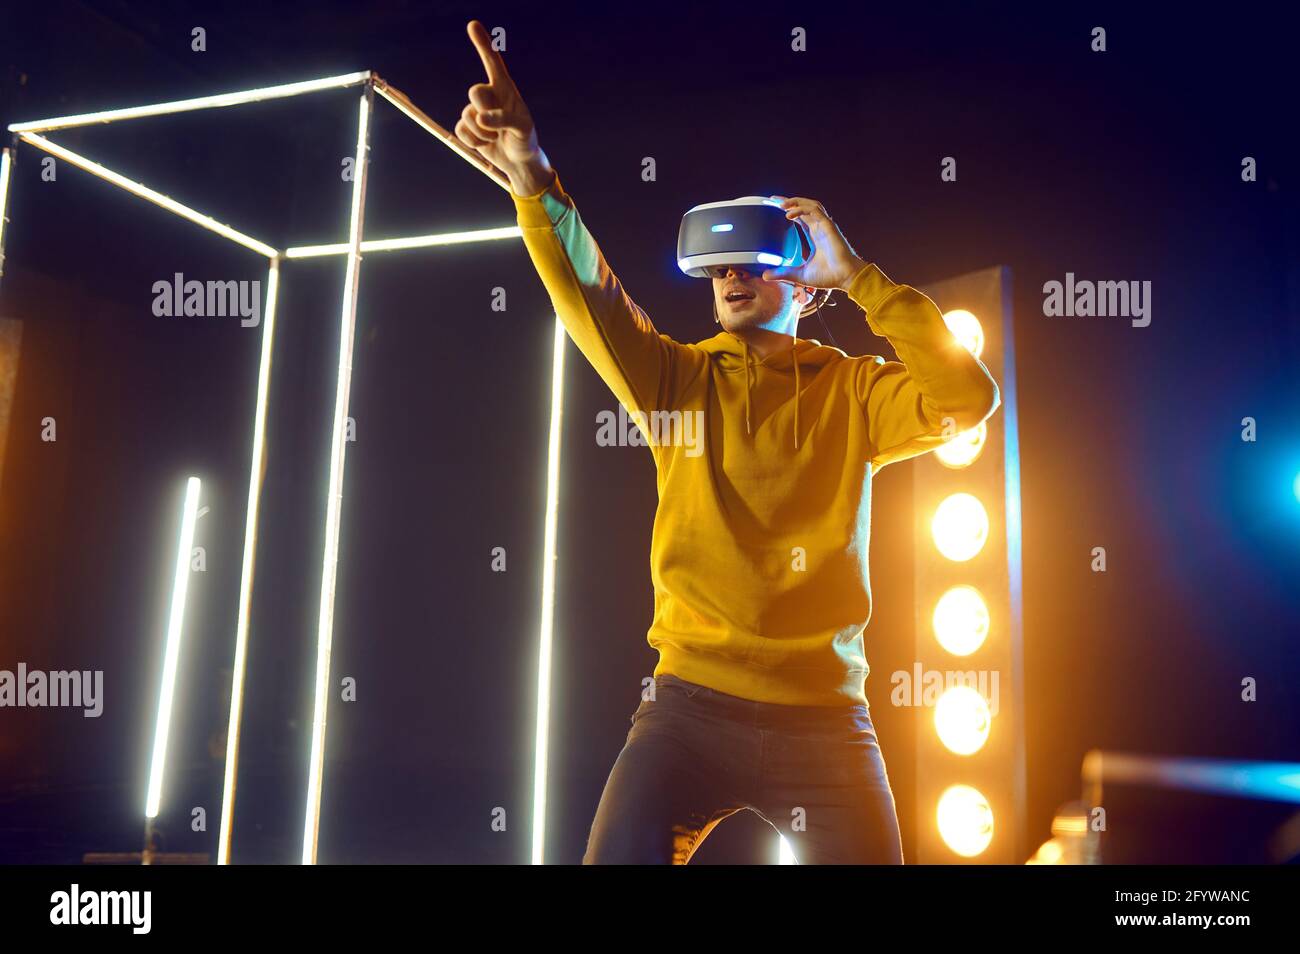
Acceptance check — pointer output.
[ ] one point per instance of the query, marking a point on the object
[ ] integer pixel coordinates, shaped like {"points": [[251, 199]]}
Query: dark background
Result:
{"points": [[1123, 166]]}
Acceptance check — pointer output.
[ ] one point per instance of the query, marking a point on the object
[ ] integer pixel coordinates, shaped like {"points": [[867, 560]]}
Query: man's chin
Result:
{"points": [[742, 318]]}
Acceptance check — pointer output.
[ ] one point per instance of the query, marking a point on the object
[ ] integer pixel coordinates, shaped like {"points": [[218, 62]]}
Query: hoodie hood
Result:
{"points": [[732, 354]]}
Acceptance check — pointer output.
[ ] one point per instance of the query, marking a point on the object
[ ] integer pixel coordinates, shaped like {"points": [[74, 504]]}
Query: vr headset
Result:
{"points": [[751, 232]]}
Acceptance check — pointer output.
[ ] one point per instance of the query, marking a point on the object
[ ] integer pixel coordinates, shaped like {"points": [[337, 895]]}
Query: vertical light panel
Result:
{"points": [[970, 751], [334, 501], [1010, 410], [6, 170], [246, 573], [172, 652], [546, 633]]}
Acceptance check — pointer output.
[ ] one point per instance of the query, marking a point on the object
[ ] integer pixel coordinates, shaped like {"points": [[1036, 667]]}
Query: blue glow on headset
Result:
{"points": [[767, 258], [723, 227]]}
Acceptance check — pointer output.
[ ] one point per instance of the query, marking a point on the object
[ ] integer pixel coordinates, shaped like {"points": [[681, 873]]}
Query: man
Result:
{"points": [[759, 551]]}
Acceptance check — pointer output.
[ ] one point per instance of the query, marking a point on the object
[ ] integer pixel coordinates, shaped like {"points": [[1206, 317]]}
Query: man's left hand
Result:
{"points": [[833, 263]]}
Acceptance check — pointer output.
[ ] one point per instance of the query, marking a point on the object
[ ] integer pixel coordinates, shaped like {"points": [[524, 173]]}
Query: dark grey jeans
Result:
{"points": [[695, 756]]}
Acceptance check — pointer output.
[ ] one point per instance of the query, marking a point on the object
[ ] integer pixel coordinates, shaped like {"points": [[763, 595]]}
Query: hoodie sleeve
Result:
{"points": [[612, 332], [937, 382]]}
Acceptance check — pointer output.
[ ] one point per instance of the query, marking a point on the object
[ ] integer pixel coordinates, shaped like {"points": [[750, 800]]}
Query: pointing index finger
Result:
{"points": [[493, 65]]}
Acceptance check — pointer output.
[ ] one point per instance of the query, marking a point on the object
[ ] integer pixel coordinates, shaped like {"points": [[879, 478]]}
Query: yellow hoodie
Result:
{"points": [[759, 550]]}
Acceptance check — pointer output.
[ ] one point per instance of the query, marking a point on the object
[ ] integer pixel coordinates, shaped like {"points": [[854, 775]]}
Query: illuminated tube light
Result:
{"points": [[963, 449], [965, 820], [961, 620], [144, 192], [421, 119], [414, 241], [172, 653], [960, 527], [784, 854], [246, 573], [334, 500], [966, 328], [962, 720], [186, 105], [541, 747], [723, 227], [6, 170]]}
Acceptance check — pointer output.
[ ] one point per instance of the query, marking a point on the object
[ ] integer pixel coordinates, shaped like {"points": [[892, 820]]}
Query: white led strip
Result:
{"points": [[541, 746], [413, 241], [418, 116], [334, 501], [172, 651], [188, 105], [246, 571], [6, 170], [144, 192]]}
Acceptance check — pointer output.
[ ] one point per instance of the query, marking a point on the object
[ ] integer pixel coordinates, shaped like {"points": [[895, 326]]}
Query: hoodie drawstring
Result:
{"points": [[794, 357], [745, 346]]}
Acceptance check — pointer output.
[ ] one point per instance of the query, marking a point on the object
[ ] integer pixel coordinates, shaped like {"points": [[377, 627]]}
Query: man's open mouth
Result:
{"points": [[738, 294]]}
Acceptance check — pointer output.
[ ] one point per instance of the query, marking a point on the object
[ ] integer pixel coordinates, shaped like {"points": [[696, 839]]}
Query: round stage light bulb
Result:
{"points": [[960, 527], [962, 719], [963, 448], [966, 328], [965, 820], [961, 620]]}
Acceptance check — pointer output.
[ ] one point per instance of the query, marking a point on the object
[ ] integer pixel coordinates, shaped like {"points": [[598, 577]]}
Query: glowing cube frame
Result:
{"points": [[371, 83]]}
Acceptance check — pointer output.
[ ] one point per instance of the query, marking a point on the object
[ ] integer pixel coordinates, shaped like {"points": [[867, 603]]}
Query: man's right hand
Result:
{"points": [[497, 125]]}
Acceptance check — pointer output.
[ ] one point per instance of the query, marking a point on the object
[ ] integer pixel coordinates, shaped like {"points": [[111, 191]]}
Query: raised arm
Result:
{"points": [[936, 389], [616, 336]]}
